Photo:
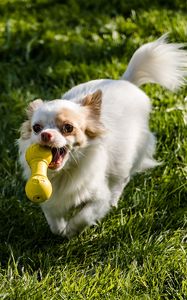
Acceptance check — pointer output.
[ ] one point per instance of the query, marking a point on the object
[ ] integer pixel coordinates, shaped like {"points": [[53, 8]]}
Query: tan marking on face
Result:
{"points": [[77, 120], [68, 116]]}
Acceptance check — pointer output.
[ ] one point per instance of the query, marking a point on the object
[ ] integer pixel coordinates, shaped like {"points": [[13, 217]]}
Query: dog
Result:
{"points": [[99, 136]]}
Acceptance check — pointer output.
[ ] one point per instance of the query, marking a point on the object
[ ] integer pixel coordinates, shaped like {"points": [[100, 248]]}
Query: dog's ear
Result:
{"points": [[33, 106], [25, 129], [93, 103]]}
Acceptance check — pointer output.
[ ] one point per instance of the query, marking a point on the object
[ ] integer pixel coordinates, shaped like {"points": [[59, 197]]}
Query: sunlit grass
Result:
{"points": [[139, 250]]}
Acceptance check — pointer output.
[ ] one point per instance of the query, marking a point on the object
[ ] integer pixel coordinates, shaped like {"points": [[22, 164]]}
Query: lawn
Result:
{"points": [[139, 251]]}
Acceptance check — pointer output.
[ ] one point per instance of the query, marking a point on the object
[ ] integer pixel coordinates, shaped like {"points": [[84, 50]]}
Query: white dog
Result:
{"points": [[99, 136]]}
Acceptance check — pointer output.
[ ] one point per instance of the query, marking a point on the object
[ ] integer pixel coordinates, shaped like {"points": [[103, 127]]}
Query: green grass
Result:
{"points": [[139, 251]]}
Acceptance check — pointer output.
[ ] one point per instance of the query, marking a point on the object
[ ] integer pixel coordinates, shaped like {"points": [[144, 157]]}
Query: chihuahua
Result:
{"points": [[99, 136]]}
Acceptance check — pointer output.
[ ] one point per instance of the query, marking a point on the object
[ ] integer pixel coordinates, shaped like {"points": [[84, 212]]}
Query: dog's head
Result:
{"points": [[64, 126]]}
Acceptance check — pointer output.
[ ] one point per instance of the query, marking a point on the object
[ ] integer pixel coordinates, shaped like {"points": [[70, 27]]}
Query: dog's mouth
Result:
{"points": [[58, 157]]}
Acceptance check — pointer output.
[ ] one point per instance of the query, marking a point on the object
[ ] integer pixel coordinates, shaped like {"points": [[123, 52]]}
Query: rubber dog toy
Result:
{"points": [[38, 188]]}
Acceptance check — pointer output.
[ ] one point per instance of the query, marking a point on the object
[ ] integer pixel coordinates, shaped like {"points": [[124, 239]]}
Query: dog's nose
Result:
{"points": [[46, 136]]}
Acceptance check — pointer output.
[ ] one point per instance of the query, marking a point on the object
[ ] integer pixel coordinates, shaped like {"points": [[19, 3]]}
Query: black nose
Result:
{"points": [[46, 136]]}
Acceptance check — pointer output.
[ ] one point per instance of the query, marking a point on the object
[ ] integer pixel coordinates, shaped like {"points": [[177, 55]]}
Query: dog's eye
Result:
{"points": [[67, 128], [37, 128]]}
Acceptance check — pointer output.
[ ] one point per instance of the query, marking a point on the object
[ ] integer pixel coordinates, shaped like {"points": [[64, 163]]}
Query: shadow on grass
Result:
{"points": [[132, 229], [102, 6]]}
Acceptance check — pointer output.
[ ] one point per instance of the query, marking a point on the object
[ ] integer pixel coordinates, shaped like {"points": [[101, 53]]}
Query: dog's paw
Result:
{"points": [[69, 231], [58, 227]]}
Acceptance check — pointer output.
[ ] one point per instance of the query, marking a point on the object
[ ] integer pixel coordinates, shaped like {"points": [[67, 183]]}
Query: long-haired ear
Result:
{"points": [[33, 106], [25, 129], [93, 103]]}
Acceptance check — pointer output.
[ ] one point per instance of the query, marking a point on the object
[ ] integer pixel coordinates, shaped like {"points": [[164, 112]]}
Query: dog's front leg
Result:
{"points": [[117, 185], [56, 223], [92, 211]]}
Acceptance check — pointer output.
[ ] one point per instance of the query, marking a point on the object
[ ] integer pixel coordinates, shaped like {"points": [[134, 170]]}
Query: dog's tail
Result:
{"points": [[158, 62]]}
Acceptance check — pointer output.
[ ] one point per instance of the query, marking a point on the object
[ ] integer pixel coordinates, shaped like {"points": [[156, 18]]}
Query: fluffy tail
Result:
{"points": [[158, 62]]}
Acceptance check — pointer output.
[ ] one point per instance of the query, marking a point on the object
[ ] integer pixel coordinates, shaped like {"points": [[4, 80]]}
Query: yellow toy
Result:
{"points": [[38, 188]]}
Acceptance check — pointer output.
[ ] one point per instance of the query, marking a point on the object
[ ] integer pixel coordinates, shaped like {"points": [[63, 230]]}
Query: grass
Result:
{"points": [[139, 251]]}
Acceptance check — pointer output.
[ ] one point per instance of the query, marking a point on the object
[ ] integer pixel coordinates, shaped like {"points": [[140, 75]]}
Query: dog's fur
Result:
{"points": [[100, 136]]}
